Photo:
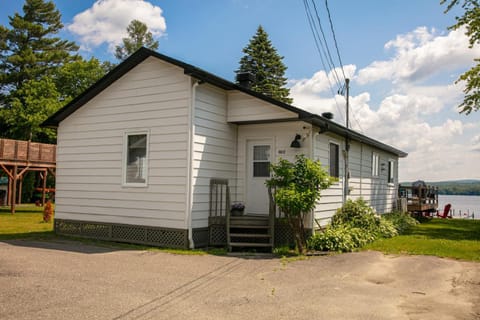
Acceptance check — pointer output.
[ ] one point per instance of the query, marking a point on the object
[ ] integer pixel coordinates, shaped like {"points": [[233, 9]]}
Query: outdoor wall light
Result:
{"points": [[296, 143]]}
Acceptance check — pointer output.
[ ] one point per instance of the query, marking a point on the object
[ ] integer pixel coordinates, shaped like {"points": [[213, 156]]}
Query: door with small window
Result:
{"points": [[259, 157]]}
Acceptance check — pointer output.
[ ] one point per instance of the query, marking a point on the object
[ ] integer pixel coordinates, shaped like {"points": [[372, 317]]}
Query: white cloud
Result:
{"points": [[421, 54], [106, 21], [415, 116]]}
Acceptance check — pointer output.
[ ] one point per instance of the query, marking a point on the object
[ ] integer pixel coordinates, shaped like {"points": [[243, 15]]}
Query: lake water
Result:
{"points": [[461, 204]]}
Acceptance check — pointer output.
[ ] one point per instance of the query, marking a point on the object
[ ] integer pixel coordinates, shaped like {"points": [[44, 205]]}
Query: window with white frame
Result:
{"points": [[375, 164], [135, 162], [334, 160], [391, 170]]}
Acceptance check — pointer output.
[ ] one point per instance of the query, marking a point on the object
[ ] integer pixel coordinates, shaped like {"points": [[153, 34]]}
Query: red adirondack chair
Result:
{"points": [[445, 213]]}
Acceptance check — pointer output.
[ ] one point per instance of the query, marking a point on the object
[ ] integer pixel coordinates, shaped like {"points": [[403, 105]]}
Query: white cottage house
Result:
{"points": [[156, 150]]}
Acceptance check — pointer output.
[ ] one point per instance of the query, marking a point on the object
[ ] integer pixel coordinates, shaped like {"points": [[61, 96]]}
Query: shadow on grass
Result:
{"points": [[448, 229]]}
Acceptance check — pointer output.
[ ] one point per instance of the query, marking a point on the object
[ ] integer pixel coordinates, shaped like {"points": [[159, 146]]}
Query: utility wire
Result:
{"points": [[332, 64], [316, 37], [335, 38]]}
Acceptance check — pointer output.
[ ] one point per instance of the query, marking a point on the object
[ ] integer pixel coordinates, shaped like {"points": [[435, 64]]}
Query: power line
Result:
{"points": [[320, 49], [326, 45], [335, 38]]}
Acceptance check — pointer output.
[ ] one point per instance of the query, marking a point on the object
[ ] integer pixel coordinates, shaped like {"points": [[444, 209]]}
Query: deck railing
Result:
{"points": [[419, 198], [26, 151]]}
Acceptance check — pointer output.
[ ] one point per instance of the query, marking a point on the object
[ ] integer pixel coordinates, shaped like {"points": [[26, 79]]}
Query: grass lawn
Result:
{"points": [[27, 222], [452, 238]]}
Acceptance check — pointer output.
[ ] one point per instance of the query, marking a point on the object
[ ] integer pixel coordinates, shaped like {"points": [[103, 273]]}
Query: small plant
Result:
{"points": [[295, 188], [47, 212], [237, 206], [401, 221]]}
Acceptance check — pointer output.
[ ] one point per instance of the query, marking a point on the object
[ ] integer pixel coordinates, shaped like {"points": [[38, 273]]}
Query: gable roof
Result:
{"points": [[197, 73]]}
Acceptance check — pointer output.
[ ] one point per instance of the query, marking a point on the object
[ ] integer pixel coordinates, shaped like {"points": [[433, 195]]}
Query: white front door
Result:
{"points": [[259, 155]]}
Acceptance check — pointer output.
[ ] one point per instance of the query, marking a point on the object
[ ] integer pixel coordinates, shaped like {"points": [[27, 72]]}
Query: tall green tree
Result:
{"points": [[263, 61], [29, 49], [471, 20], [37, 99], [138, 36]]}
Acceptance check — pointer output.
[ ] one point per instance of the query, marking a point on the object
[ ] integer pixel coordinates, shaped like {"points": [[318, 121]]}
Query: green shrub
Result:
{"points": [[333, 239], [400, 220], [353, 226], [386, 228], [355, 213]]}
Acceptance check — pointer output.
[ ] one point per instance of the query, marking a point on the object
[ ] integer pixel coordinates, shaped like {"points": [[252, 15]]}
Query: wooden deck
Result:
{"points": [[18, 157], [419, 199]]}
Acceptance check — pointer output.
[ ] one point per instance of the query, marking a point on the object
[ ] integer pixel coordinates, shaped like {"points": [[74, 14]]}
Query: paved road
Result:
{"points": [[70, 280]]}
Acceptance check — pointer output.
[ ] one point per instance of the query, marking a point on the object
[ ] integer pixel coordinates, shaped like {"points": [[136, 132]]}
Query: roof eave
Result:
{"points": [[327, 125]]}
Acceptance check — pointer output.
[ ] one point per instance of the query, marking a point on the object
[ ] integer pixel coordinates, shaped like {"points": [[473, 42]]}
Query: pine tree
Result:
{"points": [[28, 50], [138, 36], [263, 61]]}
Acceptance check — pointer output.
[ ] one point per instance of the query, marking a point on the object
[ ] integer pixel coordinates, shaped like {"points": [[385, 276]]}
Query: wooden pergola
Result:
{"points": [[18, 157]]}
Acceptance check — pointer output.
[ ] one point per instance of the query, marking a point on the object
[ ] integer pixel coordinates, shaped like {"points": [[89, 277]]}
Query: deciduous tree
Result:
{"points": [[471, 21], [138, 36]]}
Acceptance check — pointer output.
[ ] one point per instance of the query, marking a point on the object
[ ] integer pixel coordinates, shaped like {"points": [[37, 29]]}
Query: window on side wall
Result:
{"points": [[391, 170], [334, 160], [375, 164], [135, 166]]}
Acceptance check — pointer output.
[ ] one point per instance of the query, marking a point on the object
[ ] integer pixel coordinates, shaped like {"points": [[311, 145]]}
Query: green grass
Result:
{"points": [[27, 223], [450, 238]]}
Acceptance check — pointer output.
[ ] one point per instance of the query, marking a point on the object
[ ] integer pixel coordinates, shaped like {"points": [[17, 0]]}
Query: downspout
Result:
{"points": [[191, 133]]}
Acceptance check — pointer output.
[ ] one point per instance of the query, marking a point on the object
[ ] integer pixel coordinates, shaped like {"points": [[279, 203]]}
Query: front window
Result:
{"points": [[136, 165], [334, 160], [261, 161]]}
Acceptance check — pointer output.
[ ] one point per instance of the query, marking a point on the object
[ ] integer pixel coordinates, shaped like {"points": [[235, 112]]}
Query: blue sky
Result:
{"points": [[402, 59]]}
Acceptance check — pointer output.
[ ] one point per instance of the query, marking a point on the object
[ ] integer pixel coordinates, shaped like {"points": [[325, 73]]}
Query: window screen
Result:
{"points": [[334, 162], [261, 161], [136, 166]]}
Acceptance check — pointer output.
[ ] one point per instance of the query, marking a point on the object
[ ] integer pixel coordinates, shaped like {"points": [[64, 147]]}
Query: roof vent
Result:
{"points": [[245, 79], [327, 115]]}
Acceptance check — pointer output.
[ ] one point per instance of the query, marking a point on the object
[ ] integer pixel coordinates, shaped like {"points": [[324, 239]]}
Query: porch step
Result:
{"points": [[250, 235], [247, 226], [250, 244]]}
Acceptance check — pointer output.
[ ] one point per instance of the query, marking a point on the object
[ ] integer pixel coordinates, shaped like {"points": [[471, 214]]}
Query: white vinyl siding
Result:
{"points": [[242, 107], [153, 97], [214, 149], [281, 134], [377, 191], [331, 198]]}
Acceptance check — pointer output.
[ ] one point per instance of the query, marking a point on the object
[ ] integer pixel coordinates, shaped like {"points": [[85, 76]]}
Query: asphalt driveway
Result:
{"points": [[71, 280]]}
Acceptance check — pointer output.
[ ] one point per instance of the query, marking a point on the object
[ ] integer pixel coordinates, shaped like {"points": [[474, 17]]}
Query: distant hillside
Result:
{"points": [[469, 187]]}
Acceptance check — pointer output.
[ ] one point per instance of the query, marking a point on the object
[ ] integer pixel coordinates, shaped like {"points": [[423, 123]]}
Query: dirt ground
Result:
{"points": [[71, 280]]}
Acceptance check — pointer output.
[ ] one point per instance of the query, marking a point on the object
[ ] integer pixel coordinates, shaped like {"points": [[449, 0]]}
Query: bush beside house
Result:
{"points": [[355, 224]]}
